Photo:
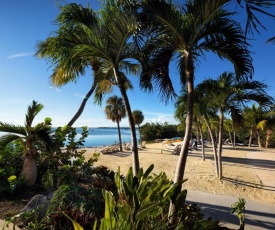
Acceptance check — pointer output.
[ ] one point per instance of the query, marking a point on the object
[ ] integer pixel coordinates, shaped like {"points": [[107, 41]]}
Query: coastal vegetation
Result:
{"points": [[141, 38], [115, 111]]}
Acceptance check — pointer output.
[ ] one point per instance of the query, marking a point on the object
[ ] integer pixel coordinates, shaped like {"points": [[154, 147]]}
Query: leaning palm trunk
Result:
{"points": [[119, 136], [82, 106], [180, 169], [220, 144], [213, 146], [29, 171], [131, 124]]}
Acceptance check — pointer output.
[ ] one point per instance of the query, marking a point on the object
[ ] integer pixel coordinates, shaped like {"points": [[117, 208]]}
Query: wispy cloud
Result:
{"points": [[20, 55]]}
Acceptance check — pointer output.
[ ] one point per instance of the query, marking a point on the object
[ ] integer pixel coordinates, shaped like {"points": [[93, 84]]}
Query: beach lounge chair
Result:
{"points": [[109, 149], [142, 145], [127, 146], [174, 150]]}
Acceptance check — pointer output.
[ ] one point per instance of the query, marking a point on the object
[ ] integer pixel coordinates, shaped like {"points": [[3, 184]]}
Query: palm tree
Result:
{"points": [[114, 50], [267, 123], [229, 127], [138, 119], [58, 50], [228, 94], [252, 117], [31, 137], [184, 34], [115, 111], [86, 37]]}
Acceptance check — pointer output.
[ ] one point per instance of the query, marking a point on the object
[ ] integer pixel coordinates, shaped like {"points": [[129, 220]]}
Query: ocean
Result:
{"points": [[106, 136]]}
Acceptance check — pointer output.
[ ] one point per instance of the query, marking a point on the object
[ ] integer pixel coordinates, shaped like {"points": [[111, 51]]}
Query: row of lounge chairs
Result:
{"points": [[116, 148], [109, 149]]}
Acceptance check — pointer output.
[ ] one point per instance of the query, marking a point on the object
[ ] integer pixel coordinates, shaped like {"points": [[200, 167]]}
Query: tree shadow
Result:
{"points": [[262, 220], [260, 164]]}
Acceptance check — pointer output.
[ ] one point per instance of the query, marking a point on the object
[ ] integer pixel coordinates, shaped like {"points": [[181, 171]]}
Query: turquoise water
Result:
{"points": [[106, 136]]}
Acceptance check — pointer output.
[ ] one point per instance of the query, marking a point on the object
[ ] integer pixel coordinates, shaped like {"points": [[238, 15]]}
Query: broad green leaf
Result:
{"points": [[148, 171], [146, 209]]}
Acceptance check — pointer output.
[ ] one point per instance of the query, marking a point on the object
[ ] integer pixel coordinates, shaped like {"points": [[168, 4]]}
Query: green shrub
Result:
{"points": [[143, 203], [10, 166]]}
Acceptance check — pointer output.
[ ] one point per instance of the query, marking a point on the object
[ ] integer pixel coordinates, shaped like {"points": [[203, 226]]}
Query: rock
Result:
{"points": [[39, 204]]}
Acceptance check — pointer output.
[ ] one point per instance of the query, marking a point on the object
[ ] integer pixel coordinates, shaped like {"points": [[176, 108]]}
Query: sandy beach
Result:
{"points": [[240, 180]]}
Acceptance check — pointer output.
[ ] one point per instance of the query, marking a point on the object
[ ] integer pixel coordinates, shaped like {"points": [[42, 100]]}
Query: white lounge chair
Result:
{"points": [[174, 150], [142, 145]]}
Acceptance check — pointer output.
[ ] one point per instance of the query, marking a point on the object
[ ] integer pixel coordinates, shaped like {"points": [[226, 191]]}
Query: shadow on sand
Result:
{"points": [[253, 218], [262, 164]]}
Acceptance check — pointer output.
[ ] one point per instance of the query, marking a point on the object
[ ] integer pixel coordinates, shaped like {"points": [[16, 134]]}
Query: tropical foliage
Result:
{"points": [[153, 131]]}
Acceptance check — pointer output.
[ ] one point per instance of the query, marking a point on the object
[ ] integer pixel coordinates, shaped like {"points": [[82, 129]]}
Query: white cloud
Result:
{"points": [[157, 117], [20, 55]]}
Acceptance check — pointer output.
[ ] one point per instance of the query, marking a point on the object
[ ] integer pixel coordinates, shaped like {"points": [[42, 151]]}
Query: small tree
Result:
{"points": [[138, 119], [31, 137], [115, 111]]}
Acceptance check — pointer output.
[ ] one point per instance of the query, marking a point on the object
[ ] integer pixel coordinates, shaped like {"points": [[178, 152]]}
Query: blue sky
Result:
{"points": [[24, 78]]}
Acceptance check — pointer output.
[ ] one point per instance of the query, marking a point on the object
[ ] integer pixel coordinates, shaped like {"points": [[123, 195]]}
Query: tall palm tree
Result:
{"points": [[184, 34], [31, 137], [228, 94], [138, 119], [115, 111], [114, 50], [86, 37]]}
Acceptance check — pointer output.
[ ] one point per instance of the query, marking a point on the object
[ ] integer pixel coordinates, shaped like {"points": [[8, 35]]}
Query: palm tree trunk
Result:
{"points": [[250, 138], [82, 106], [131, 124], [234, 139], [139, 134], [230, 138], [180, 169], [29, 171], [213, 146], [268, 136], [202, 142], [220, 145], [119, 137], [259, 139]]}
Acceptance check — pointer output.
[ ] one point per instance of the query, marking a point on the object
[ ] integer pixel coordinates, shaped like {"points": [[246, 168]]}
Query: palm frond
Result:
{"points": [[257, 6], [32, 111], [10, 128], [6, 139]]}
